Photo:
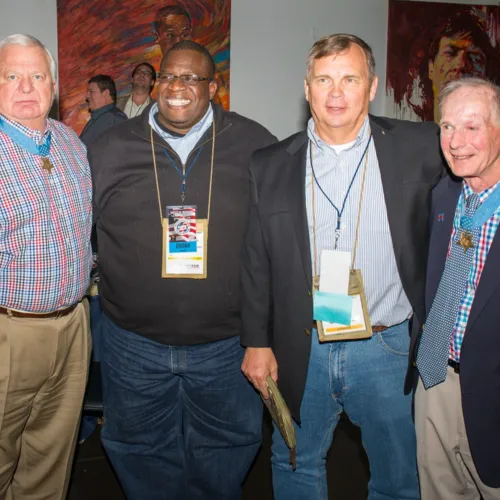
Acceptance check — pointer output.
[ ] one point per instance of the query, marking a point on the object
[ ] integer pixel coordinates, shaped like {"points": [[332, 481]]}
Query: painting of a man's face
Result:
{"points": [[431, 44], [173, 29], [457, 57]]}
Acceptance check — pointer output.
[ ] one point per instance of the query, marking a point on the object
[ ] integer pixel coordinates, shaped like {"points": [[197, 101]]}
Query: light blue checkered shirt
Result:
{"points": [[485, 239], [387, 302]]}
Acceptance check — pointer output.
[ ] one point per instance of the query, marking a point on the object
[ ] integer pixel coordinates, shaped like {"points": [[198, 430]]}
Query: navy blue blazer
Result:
{"points": [[480, 354]]}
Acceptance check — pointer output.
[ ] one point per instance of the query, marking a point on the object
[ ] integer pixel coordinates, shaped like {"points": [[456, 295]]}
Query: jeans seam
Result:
{"points": [[323, 450]]}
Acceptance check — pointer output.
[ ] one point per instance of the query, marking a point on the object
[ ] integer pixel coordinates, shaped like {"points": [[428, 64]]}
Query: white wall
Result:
{"points": [[31, 17], [270, 40], [269, 44]]}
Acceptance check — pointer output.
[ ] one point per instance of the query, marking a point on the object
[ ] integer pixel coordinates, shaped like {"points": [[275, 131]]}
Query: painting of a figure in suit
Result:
{"points": [[113, 37], [430, 44]]}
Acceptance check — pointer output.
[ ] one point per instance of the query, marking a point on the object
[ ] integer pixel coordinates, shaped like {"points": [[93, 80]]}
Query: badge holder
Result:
{"points": [[353, 332]]}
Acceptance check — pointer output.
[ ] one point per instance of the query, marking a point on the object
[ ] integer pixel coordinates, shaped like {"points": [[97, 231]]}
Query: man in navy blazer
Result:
{"points": [[457, 400]]}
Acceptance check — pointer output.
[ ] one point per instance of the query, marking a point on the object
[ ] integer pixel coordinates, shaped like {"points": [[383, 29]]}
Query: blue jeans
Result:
{"points": [[180, 422], [364, 378]]}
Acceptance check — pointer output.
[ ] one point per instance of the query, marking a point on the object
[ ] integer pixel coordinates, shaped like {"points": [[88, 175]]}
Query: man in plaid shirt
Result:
{"points": [[457, 400], [45, 261]]}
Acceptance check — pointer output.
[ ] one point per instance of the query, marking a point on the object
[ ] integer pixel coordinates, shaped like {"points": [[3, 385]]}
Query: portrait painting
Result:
{"points": [[431, 44], [111, 37]]}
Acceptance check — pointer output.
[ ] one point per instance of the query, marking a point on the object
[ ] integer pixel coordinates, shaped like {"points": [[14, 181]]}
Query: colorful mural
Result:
{"points": [[430, 44], [112, 36]]}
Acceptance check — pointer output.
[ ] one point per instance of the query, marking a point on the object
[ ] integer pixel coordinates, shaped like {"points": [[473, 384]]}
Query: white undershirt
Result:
{"points": [[132, 110]]}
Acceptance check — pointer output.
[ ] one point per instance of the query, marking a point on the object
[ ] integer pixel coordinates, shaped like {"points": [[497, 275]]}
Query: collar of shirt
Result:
{"points": [[185, 144], [362, 135], [36, 135], [96, 113], [483, 195]]}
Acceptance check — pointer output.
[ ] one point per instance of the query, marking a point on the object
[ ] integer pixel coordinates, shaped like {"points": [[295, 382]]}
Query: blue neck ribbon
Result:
{"points": [[24, 141], [483, 212]]}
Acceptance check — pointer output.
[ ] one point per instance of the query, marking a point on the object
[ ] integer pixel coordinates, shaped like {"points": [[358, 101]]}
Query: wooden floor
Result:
{"points": [[347, 469]]}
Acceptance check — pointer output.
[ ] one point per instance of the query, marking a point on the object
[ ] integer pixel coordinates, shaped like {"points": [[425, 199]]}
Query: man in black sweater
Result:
{"points": [[181, 421]]}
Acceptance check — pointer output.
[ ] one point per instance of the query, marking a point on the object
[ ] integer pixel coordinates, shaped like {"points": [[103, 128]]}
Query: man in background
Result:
{"points": [[143, 82], [101, 98], [45, 260]]}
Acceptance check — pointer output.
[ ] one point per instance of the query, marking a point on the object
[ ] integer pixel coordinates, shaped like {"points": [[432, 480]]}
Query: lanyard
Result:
{"points": [[211, 174], [182, 174], [341, 211], [26, 142], [315, 258]]}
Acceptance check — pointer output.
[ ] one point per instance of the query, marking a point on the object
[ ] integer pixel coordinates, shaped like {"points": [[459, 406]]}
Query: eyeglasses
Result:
{"points": [[186, 79]]}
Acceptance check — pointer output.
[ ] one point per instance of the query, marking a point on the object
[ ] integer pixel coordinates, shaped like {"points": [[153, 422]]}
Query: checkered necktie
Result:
{"points": [[434, 348]]}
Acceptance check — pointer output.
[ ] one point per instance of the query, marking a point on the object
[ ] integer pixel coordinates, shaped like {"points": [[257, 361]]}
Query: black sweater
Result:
{"points": [[133, 293]]}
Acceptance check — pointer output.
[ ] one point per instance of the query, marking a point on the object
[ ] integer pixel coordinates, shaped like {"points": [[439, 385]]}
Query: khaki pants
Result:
{"points": [[43, 372], [445, 464]]}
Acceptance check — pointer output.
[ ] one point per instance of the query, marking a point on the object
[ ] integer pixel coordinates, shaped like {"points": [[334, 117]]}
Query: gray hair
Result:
{"points": [[31, 41], [472, 83]]}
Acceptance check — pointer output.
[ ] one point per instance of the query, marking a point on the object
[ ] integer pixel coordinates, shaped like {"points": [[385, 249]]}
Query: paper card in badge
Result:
{"points": [[360, 327], [187, 262], [182, 228]]}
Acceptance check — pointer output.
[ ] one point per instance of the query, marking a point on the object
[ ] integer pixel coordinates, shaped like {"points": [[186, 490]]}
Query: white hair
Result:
{"points": [[473, 83], [31, 41]]}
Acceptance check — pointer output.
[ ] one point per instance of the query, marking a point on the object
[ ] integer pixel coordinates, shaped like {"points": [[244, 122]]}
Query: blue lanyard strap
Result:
{"points": [[183, 174], [483, 212], [26, 142], [341, 211]]}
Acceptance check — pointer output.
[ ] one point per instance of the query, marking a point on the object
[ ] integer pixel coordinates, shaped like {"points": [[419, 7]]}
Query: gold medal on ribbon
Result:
{"points": [[465, 241], [47, 165]]}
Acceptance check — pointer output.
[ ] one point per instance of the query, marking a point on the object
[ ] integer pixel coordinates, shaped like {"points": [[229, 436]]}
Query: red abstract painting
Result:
{"points": [[112, 36], [430, 44]]}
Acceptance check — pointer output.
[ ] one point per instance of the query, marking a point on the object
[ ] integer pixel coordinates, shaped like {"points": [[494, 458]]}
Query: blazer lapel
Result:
{"points": [[297, 200], [391, 182], [445, 200]]}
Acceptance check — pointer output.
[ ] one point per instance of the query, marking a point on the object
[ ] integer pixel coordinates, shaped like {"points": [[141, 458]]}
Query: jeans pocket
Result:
{"points": [[395, 341]]}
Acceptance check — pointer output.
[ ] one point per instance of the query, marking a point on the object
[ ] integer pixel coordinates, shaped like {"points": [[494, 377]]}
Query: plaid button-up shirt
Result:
{"points": [[485, 239], [45, 222]]}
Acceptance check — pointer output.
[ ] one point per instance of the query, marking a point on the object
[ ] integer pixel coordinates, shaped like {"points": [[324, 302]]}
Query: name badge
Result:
{"points": [[340, 307], [185, 240]]}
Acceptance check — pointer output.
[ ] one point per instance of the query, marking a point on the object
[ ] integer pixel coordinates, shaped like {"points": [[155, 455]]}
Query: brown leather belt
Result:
{"points": [[56, 314], [375, 329]]}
